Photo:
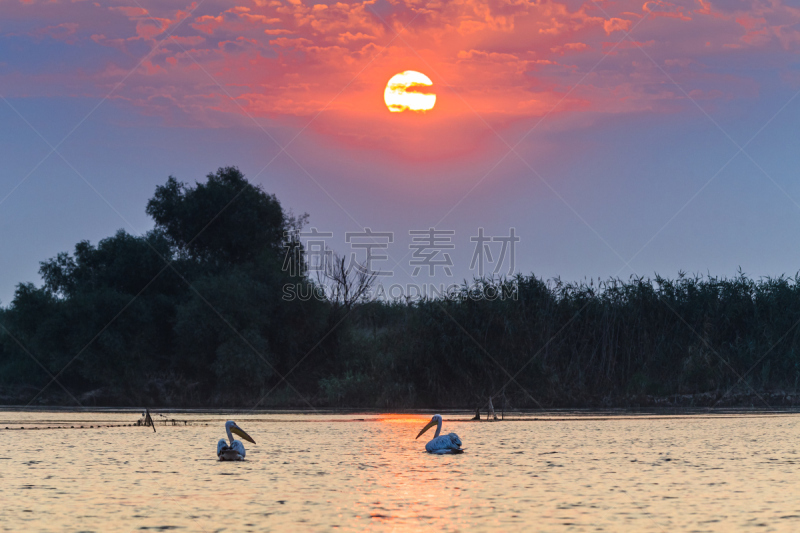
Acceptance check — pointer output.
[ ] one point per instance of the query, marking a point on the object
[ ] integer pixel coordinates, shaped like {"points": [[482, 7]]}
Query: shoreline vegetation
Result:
{"points": [[766, 402], [192, 314]]}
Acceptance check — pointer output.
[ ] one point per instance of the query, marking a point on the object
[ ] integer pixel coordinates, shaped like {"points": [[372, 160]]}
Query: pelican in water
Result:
{"points": [[449, 443], [235, 450]]}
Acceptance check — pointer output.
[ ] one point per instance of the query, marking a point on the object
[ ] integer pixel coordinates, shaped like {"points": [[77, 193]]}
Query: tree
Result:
{"points": [[347, 285], [225, 220], [124, 263]]}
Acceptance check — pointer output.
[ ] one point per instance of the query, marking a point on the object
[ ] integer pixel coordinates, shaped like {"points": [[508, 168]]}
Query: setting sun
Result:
{"points": [[400, 94]]}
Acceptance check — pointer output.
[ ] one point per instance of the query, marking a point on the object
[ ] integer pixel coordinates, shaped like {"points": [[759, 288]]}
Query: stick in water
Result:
{"points": [[148, 420]]}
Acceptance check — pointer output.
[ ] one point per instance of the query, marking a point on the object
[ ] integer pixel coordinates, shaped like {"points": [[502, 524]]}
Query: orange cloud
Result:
{"points": [[60, 32], [130, 12], [570, 47], [494, 63], [662, 8], [614, 24]]}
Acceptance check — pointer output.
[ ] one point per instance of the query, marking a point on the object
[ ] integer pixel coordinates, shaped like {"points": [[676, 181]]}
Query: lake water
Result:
{"points": [[318, 472]]}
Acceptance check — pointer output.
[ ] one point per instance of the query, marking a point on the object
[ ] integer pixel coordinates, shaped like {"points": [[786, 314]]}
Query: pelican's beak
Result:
{"points": [[239, 431], [426, 428]]}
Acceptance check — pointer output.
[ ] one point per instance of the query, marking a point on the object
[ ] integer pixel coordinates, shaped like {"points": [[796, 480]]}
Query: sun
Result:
{"points": [[402, 93]]}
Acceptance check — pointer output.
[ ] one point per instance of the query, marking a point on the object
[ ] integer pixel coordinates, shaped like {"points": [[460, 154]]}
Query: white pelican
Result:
{"points": [[446, 443], [234, 451]]}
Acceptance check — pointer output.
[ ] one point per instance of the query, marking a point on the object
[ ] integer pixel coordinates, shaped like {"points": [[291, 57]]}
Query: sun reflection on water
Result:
{"points": [[367, 472]]}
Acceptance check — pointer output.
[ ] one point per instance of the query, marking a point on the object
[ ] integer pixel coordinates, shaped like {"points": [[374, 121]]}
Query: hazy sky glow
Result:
{"points": [[626, 121]]}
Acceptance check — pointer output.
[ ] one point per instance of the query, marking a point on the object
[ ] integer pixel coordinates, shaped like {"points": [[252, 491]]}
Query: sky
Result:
{"points": [[615, 138]]}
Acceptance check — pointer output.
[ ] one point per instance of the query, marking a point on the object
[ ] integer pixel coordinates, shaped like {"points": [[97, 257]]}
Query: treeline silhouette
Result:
{"points": [[192, 314]]}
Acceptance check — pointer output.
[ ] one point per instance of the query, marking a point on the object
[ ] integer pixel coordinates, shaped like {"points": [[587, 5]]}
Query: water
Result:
{"points": [[312, 472]]}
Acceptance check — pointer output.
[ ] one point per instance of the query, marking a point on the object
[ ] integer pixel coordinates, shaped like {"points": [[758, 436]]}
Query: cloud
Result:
{"points": [[616, 47], [569, 47], [129, 11], [493, 62], [60, 32], [662, 8], [615, 24]]}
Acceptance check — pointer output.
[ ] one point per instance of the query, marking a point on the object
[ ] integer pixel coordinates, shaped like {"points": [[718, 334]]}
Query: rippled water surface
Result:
{"points": [[313, 472]]}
